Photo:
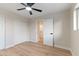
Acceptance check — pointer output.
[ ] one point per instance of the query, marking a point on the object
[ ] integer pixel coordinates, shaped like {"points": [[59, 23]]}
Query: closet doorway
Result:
{"points": [[40, 32]]}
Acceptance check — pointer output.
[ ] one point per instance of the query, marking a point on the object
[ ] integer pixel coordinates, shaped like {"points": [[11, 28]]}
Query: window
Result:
{"points": [[76, 18]]}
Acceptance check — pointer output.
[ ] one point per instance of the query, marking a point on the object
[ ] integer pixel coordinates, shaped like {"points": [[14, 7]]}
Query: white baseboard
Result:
{"points": [[63, 47], [9, 46], [33, 41]]}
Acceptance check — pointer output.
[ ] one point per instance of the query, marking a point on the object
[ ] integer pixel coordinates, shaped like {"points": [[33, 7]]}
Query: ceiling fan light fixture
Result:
{"points": [[28, 8]]}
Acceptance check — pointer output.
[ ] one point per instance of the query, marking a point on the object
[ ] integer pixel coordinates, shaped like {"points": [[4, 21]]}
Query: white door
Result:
{"points": [[48, 29]]}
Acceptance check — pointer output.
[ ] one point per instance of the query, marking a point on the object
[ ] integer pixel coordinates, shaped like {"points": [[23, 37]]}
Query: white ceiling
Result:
{"points": [[47, 8]]}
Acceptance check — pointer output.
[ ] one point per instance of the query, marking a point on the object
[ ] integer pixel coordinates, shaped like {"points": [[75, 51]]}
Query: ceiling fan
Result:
{"points": [[29, 8]]}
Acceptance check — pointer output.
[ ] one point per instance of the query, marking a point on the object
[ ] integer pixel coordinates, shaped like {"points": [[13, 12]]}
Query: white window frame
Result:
{"points": [[76, 18]]}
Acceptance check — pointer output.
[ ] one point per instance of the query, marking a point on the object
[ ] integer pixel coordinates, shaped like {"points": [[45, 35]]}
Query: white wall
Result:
{"points": [[2, 34], [9, 32], [74, 37], [14, 29], [32, 30], [62, 29], [21, 32]]}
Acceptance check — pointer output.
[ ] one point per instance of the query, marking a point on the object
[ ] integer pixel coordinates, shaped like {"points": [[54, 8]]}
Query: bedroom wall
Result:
{"points": [[62, 29], [32, 30], [74, 36], [13, 28], [2, 32]]}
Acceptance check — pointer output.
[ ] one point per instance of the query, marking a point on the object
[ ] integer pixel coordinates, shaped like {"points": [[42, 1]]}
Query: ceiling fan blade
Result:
{"points": [[21, 9], [30, 4], [30, 12], [24, 4], [37, 9]]}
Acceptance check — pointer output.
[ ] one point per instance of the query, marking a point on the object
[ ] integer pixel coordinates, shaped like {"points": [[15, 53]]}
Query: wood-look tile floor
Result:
{"points": [[34, 49]]}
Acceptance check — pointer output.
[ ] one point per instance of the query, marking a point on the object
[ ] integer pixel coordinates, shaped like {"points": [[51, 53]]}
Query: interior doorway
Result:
{"points": [[45, 32], [40, 32]]}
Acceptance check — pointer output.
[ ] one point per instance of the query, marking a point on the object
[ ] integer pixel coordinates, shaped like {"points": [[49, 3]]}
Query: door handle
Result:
{"points": [[51, 33]]}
